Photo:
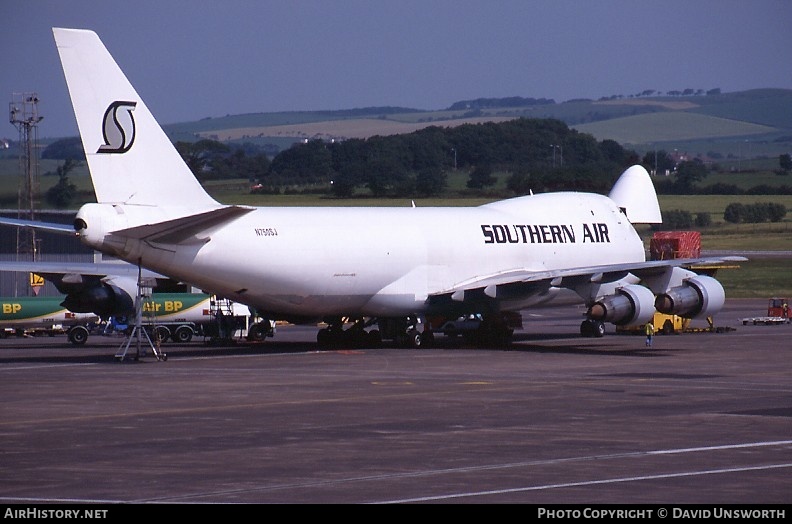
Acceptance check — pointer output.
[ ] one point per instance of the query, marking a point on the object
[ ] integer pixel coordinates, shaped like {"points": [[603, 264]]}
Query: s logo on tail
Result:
{"points": [[118, 128]]}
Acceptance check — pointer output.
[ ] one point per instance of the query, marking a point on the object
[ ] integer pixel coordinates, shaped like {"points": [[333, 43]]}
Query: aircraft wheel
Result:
{"points": [[78, 335], [324, 338], [414, 339], [599, 329], [374, 338], [592, 328]]}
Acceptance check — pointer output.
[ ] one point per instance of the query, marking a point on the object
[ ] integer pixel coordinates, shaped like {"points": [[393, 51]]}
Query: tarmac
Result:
{"points": [[698, 418]]}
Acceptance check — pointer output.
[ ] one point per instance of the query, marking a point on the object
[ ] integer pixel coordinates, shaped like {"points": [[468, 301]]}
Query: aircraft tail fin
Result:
{"points": [[130, 157], [635, 194]]}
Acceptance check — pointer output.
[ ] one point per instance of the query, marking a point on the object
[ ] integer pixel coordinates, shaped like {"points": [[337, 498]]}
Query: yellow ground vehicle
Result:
{"points": [[663, 324]]}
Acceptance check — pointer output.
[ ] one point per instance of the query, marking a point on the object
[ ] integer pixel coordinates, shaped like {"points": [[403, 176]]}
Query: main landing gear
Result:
{"points": [[405, 332], [413, 332], [356, 336]]}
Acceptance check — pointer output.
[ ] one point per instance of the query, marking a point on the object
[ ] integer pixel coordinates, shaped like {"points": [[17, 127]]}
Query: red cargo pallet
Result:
{"points": [[669, 245]]}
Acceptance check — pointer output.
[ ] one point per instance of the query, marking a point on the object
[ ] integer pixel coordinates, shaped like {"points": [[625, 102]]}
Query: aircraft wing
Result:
{"points": [[57, 270], [520, 282], [102, 288], [79, 273]]}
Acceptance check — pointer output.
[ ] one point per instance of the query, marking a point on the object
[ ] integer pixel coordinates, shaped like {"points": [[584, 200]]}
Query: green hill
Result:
{"points": [[747, 124], [719, 121], [770, 107]]}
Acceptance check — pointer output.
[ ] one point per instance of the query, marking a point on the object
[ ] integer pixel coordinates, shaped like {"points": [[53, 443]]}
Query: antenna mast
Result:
{"points": [[23, 114]]}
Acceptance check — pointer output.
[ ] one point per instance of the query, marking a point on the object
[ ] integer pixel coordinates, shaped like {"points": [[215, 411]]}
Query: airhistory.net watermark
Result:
{"points": [[43, 513]]}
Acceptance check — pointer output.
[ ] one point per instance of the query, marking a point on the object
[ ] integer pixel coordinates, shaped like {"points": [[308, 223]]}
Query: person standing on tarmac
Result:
{"points": [[649, 329]]}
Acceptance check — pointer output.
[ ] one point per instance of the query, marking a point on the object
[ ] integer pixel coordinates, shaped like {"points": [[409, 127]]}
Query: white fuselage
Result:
{"points": [[375, 261]]}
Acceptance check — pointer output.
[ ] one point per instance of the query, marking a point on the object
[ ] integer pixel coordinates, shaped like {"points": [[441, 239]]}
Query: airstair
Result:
{"points": [[222, 311]]}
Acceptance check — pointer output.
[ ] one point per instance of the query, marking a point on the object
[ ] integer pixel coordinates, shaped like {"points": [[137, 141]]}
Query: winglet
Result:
{"points": [[634, 193]]}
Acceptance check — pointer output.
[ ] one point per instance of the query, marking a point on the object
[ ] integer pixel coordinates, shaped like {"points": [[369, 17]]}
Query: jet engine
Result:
{"points": [[102, 298], [698, 297], [630, 305]]}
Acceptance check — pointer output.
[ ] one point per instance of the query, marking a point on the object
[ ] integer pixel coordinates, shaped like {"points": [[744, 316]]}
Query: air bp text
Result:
{"points": [[169, 306]]}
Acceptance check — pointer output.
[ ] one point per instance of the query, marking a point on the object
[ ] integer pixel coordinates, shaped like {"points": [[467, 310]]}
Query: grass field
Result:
{"points": [[760, 277], [664, 127]]}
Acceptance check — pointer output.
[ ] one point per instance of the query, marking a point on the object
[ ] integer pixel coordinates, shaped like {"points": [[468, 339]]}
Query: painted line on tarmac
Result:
{"points": [[13, 368], [590, 483], [490, 467], [451, 496]]}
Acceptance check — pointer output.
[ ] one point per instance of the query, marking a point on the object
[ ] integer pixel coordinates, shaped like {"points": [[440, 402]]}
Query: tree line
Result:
{"points": [[735, 213], [688, 177], [536, 155]]}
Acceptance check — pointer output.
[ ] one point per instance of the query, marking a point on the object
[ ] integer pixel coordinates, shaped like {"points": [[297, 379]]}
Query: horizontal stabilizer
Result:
{"points": [[52, 227], [185, 230]]}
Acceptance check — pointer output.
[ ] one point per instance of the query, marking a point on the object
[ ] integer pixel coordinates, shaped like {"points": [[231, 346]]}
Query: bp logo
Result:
{"points": [[118, 128]]}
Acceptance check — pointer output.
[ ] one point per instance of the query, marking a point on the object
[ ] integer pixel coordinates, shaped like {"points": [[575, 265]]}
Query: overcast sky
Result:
{"points": [[195, 59]]}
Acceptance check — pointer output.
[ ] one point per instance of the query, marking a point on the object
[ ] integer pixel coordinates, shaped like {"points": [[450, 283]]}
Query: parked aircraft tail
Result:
{"points": [[634, 193], [130, 157]]}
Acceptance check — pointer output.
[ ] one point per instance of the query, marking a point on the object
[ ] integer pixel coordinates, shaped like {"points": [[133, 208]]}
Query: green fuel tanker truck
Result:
{"points": [[168, 316], [43, 315]]}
